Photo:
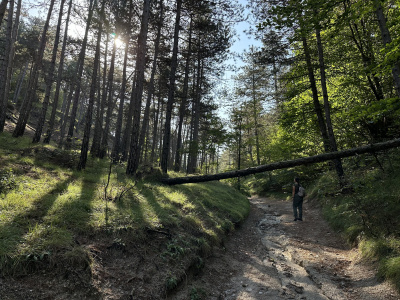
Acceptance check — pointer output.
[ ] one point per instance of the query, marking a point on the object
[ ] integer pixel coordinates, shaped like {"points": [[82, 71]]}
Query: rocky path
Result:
{"points": [[273, 257]]}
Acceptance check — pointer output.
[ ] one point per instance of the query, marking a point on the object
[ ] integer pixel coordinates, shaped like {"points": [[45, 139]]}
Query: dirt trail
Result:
{"points": [[273, 257]]}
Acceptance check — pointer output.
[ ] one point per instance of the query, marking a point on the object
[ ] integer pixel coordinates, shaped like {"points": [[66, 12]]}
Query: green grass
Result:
{"points": [[51, 204], [369, 215]]}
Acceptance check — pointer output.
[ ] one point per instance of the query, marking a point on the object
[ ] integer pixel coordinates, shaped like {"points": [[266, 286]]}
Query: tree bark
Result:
{"points": [[171, 91], [317, 105], [5, 67], [182, 108], [194, 141], [20, 81], [31, 91], [64, 120], [373, 148], [331, 135], [118, 127], [134, 155], [14, 36], [49, 79], [98, 128], [110, 102], [50, 127], [150, 90], [79, 77], [92, 95]]}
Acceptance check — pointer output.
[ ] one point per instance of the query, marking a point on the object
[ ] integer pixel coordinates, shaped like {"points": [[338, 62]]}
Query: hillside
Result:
{"points": [[98, 234]]}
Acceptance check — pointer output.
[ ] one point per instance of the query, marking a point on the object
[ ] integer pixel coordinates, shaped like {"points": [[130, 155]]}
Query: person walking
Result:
{"points": [[297, 200]]}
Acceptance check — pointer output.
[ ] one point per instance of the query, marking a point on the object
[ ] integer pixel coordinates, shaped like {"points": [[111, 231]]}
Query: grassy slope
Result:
{"points": [[368, 216], [45, 206]]}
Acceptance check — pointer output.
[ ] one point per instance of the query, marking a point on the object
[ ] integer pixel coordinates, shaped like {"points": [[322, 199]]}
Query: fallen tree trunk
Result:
{"points": [[286, 164]]}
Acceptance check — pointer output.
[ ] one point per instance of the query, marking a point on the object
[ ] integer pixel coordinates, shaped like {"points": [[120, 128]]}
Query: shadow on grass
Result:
{"points": [[13, 233]]}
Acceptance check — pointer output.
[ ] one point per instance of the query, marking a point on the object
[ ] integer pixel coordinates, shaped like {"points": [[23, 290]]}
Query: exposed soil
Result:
{"points": [[269, 257], [273, 257]]}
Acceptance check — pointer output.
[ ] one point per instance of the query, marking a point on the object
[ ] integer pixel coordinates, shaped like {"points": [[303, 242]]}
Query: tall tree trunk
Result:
{"points": [[182, 108], [49, 79], [50, 128], [110, 102], [92, 95], [150, 90], [98, 128], [128, 126], [194, 142], [20, 81], [155, 130], [332, 140], [4, 65], [387, 40], [81, 61], [255, 117], [134, 155], [31, 91], [65, 116], [12, 49], [171, 91], [118, 128], [317, 105]]}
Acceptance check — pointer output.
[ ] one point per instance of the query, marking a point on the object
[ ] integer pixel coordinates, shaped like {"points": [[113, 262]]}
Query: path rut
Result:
{"points": [[273, 257]]}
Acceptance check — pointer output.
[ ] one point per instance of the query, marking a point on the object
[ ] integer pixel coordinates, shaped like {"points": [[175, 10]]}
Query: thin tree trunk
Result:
{"points": [[332, 140], [110, 106], [155, 130], [63, 123], [194, 142], [5, 65], [92, 95], [128, 127], [118, 127], [134, 154], [317, 105], [182, 108], [150, 90], [50, 128], [81, 61], [98, 128], [373, 148], [255, 116], [31, 91], [19, 83], [171, 91], [117, 142], [49, 79], [12, 49]]}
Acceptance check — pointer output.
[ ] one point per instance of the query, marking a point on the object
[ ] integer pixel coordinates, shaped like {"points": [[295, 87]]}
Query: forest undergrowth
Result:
{"points": [[47, 209], [365, 210]]}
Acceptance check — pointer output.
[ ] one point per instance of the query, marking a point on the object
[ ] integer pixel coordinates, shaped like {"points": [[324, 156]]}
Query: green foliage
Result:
{"points": [[366, 210]]}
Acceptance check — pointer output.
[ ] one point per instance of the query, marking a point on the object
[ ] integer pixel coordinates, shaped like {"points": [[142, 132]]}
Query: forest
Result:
{"points": [[103, 101]]}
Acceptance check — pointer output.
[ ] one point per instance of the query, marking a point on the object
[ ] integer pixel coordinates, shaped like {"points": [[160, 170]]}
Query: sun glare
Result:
{"points": [[119, 42]]}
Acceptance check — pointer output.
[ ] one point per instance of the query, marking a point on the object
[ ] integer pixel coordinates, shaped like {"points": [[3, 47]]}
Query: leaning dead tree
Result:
{"points": [[286, 164]]}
